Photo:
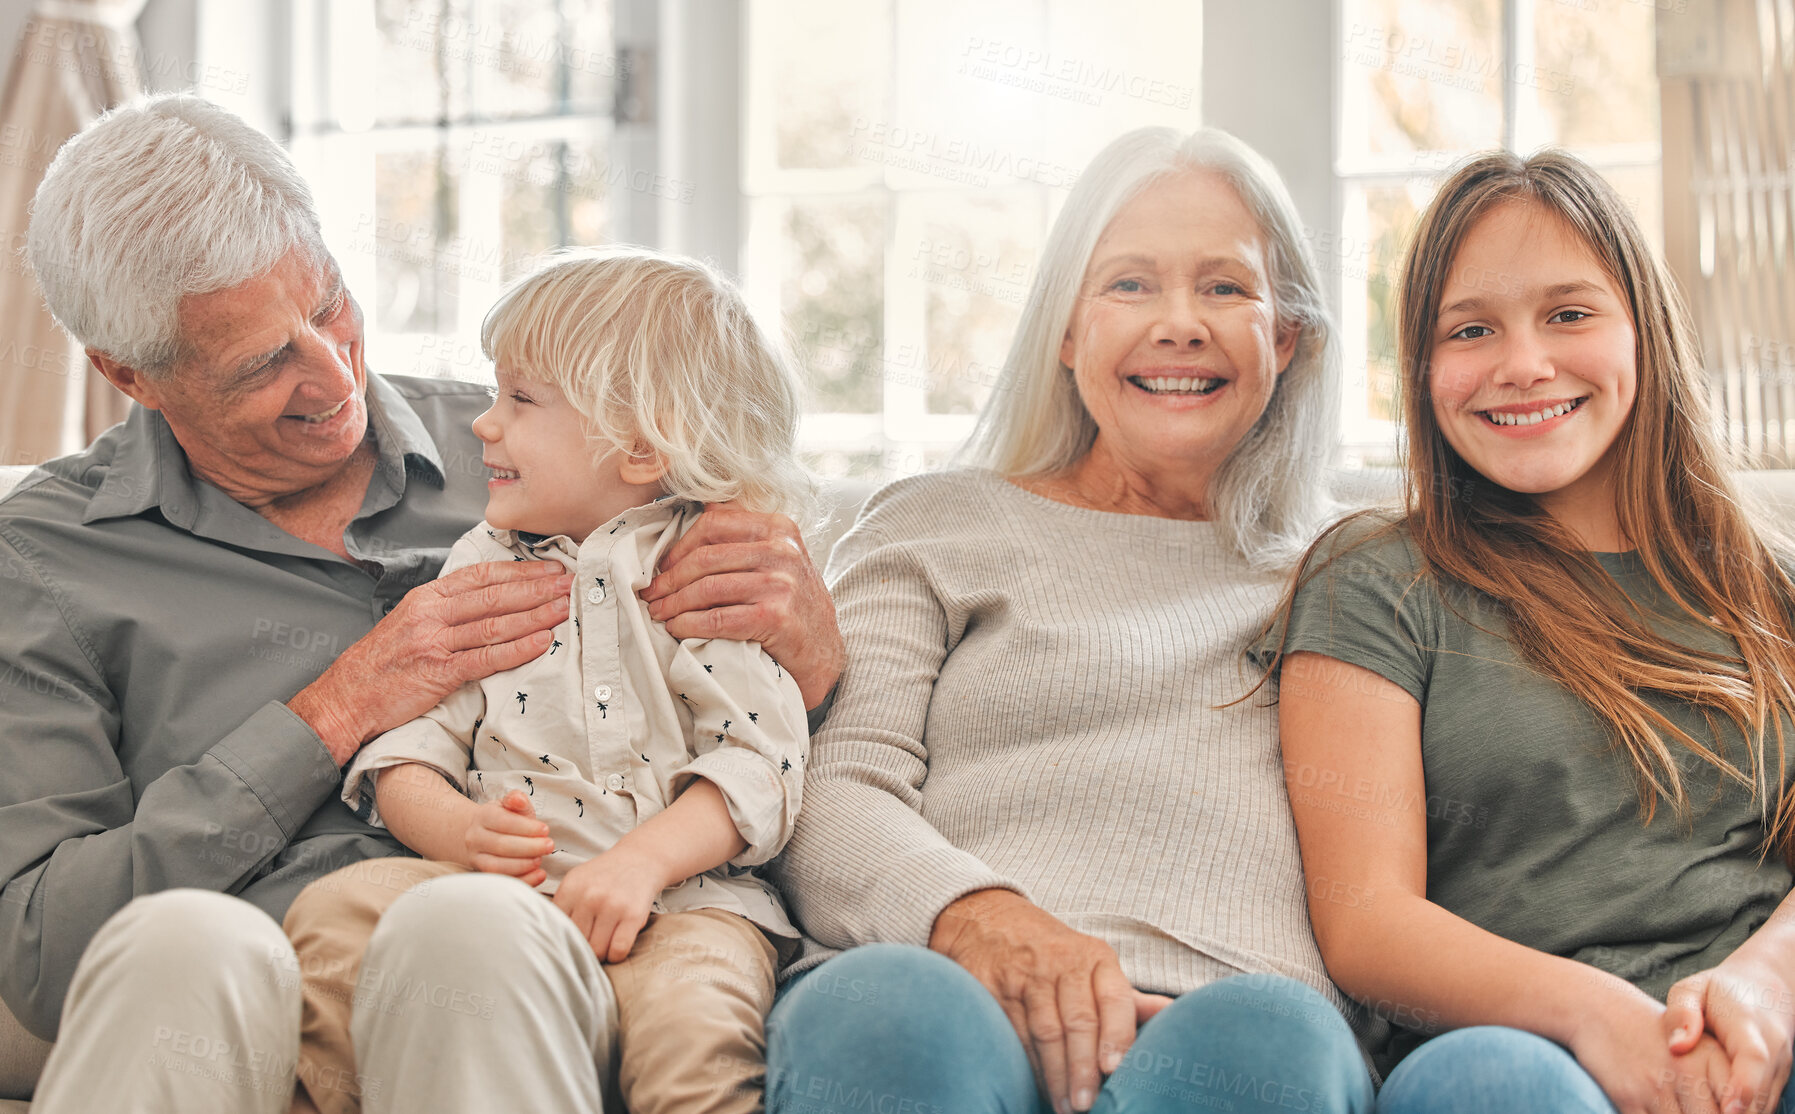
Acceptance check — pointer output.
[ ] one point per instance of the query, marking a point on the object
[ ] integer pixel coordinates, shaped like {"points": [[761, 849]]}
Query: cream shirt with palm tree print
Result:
{"points": [[608, 726]]}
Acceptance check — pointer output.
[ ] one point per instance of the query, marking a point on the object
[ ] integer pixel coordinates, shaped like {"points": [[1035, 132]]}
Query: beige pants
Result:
{"points": [[690, 1001], [186, 1001]]}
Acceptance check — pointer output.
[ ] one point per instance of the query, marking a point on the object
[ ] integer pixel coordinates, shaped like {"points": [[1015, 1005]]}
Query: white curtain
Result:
{"points": [[75, 59]]}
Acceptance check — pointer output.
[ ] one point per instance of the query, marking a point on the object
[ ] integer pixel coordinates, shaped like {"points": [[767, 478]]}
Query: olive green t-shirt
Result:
{"points": [[1534, 830]]}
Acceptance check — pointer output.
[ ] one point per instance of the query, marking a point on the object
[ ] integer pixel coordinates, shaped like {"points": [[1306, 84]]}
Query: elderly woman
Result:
{"points": [[216, 604], [1029, 795]]}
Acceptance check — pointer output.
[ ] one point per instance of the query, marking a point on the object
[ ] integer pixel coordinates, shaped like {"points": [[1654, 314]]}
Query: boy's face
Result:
{"points": [[548, 477]]}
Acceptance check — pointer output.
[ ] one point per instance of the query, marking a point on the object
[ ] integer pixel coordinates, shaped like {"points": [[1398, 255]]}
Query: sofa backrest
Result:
{"points": [[841, 500]]}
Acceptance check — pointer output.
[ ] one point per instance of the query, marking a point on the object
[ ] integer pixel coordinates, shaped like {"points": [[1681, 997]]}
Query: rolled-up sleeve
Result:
{"points": [[863, 865], [442, 739], [78, 840], [750, 738]]}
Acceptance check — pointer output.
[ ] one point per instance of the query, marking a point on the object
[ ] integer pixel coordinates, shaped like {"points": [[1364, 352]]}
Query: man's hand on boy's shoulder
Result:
{"points": [[742, 575]]}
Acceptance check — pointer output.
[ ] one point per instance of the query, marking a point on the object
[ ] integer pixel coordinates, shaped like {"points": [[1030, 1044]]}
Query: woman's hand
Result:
{"points": [[610, 898], [1750, 1010], [1063, 991], [737, 574], [1621, 1044], [504, 837]]}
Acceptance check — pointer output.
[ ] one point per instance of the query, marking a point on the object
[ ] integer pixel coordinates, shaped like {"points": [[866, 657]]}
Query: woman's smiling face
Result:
{"points": [[1173, 341], [1534, 364]]}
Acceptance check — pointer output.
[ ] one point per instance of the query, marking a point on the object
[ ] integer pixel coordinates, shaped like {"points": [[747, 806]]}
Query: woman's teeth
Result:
{"points": [[1537, 416], [1161, 385], [314, 419], [503, 474]]}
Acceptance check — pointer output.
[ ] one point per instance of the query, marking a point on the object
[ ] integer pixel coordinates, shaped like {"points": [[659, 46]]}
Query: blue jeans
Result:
{"points": [[889, 1029], [1494, 1070]]}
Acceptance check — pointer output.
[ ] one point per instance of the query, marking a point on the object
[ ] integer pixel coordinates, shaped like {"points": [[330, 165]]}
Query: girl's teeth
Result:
{"points": [[1537, 416], [1186, 386]]}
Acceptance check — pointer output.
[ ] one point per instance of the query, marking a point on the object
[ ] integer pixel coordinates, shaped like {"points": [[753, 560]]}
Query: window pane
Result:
{"points": [[554, 196], [830, 63], [974, 256], [831, 297], [1422, 75], [417, 200], [1596, 78], [1391, 213], [461, 59], [1642, 188], [549, 58], [422, 74]]}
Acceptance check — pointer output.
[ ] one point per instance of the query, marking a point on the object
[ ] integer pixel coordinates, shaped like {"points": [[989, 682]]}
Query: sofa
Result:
{"points": [[22, 1055]]}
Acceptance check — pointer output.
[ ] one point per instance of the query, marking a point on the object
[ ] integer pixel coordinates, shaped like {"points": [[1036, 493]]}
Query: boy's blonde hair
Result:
{"points": [[659, 352]]}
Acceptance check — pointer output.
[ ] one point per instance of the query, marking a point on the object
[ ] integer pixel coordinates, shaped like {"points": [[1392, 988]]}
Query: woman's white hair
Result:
{"points": [[660, 352], [1269, 496], [157, 199]]}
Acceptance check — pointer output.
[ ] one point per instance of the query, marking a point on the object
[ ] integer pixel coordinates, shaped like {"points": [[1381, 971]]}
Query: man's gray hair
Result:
{"points": [[1269, 496], [157, 199]]}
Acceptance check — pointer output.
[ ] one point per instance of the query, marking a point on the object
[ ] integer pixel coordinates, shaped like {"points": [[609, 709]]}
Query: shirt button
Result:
{"points": [[614, 783], [595, 594], [603, 692]]}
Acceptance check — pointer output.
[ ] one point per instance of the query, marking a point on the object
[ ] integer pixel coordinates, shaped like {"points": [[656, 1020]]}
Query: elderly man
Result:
{"points": [[212, 608]]}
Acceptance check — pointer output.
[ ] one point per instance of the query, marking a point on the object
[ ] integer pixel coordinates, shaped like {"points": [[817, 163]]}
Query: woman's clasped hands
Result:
{"points": [[1746, 1008]]}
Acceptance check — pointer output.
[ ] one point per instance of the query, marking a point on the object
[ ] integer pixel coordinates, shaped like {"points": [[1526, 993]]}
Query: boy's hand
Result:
{"points": [[504, 837], [609, 899]]}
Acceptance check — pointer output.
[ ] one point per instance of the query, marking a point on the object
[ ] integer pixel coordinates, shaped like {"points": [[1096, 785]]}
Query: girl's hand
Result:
{"points": [[1623, 1047], [504, 837], [610, 898], [1750, 1010]]}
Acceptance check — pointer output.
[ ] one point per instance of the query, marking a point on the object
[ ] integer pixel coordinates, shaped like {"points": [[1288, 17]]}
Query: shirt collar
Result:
{"points": [[636, 517], [149, 468], [401, 432]]}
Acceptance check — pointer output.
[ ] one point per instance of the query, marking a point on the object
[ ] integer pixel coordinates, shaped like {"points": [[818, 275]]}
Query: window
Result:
{"points": [[1421, 83], [449, 142], [902, 162]]}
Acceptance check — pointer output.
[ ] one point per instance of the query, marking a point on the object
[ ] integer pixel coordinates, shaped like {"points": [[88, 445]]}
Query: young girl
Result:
{"points": [[1534, 728], [636, 778]]}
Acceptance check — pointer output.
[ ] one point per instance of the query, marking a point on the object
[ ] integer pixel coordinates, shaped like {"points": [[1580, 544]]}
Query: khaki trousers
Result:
{"points": [[683, 1015], [185, 1001]]}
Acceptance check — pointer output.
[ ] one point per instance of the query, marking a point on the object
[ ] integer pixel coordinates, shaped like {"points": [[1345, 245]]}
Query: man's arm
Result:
{"points": [[746, 576], [78, 839]]}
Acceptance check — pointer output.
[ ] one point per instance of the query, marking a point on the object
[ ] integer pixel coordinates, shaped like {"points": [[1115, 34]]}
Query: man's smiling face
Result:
{"points": [[268, 397]]}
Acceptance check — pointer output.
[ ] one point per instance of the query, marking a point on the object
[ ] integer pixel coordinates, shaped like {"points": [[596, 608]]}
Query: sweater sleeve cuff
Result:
{"points": [[283, 762], [934, 879]]}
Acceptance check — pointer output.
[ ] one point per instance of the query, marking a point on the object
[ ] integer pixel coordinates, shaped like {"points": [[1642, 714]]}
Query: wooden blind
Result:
{"points": [[1727, 69]]}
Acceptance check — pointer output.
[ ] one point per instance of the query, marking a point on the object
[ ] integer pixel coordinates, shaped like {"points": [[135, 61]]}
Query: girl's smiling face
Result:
{"points": [[1534, 365]]}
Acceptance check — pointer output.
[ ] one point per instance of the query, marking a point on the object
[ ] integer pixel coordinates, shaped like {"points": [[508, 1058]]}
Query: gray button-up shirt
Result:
{"points": [[152, 627]]}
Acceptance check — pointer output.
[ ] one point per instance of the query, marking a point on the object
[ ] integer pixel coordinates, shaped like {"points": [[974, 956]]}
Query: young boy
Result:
{"points": [[636, 778]]}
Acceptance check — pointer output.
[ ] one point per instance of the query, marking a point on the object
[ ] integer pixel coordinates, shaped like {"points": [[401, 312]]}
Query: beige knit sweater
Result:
{"points": [[1029, 703]]}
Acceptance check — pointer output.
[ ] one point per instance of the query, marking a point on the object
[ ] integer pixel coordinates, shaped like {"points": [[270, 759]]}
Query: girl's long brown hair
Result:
{"points": [[1675, 502]]}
